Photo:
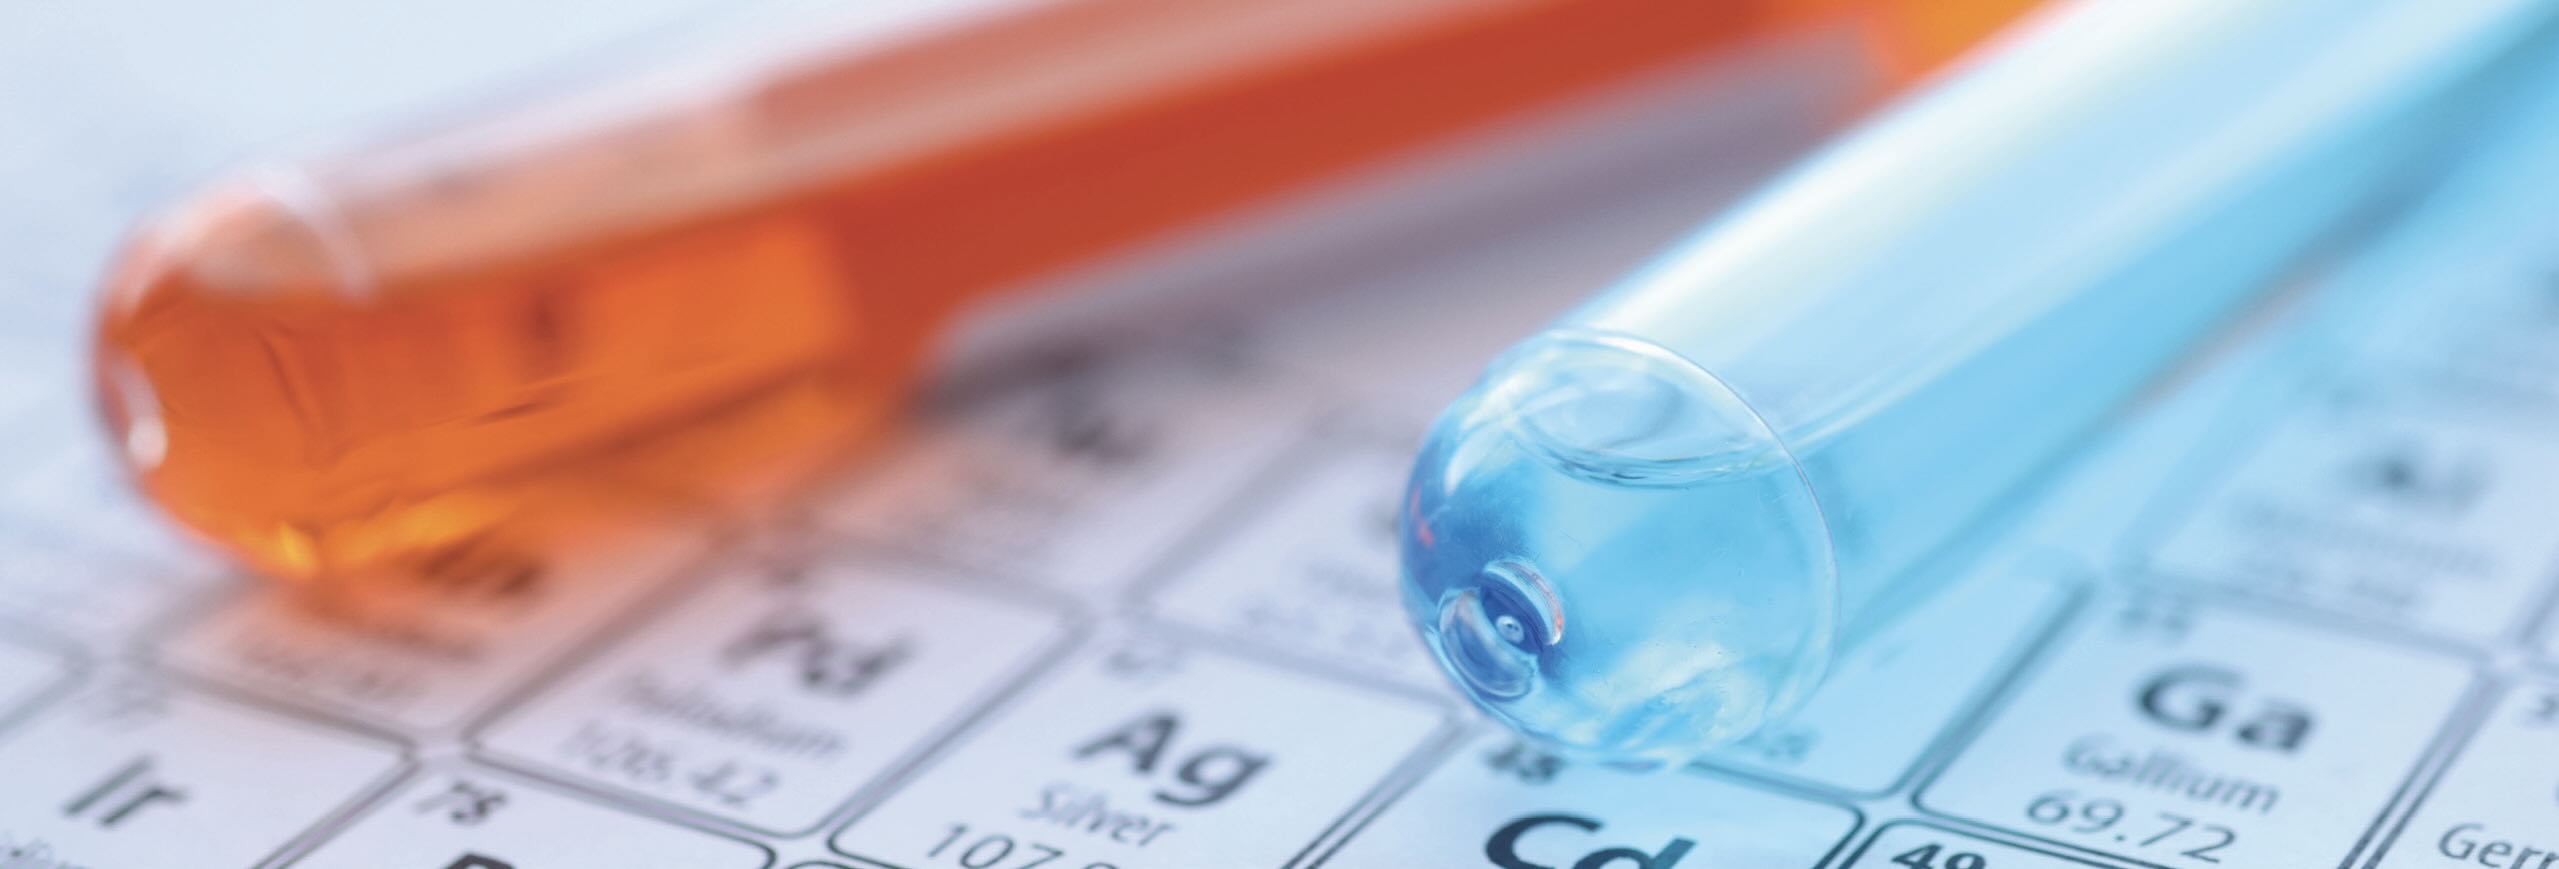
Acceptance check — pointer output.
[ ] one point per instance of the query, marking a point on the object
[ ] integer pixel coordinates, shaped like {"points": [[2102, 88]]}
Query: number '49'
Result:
{"points": [[1925, 857]]}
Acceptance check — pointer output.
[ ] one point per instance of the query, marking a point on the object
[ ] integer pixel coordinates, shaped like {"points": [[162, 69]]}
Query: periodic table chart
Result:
{"points": [[1127, 601]]}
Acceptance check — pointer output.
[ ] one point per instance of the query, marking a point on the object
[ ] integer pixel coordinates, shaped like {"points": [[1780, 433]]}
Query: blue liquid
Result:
{"points": [[1647, 530]]}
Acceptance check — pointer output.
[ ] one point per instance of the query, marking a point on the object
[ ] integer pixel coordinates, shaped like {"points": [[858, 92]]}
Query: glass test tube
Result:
{"points": [[1648, 528], [689, 285]]}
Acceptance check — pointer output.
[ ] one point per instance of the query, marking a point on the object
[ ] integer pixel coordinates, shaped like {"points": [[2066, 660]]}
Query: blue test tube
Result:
{"points": [[1650, 527]]}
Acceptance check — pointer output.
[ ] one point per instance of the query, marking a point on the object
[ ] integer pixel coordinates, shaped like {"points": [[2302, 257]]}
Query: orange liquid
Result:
{"points": [[682, 295]]}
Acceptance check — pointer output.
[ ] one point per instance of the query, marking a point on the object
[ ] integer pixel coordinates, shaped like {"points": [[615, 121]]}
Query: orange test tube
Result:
{"points": [[683, 290]]}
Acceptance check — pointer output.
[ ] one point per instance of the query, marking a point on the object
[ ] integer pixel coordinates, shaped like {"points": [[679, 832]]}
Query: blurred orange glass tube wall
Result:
{"points": [[683, 289]]}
